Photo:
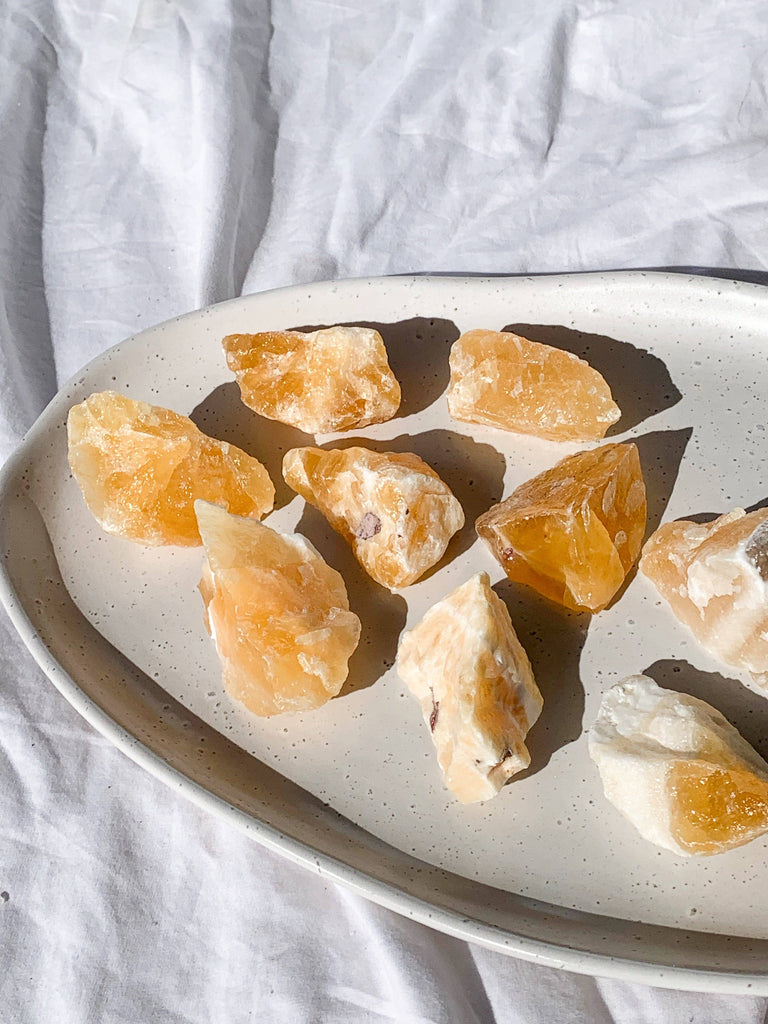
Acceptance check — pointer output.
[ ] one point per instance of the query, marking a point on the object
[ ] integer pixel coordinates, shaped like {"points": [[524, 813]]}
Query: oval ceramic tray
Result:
{"points": [[548, 870]]}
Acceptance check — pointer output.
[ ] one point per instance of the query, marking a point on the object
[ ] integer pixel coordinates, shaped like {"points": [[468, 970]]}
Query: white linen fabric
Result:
{"points": [[160, 155]]}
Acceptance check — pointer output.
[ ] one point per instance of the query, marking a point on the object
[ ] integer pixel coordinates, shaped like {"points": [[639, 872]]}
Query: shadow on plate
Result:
{"points": [[639, 381], [743, 708], [707, 517], [222, 415], [553, 638], [381, 613], [661, 452], [418, 351]]}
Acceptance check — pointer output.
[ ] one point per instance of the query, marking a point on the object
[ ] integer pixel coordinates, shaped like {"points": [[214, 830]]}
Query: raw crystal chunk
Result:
{"points": [[506, 381], [140, 468], [333, 379], [715, 578], [394, 509], [279, 615], [466, 667], [574, 531], [678, 770]]}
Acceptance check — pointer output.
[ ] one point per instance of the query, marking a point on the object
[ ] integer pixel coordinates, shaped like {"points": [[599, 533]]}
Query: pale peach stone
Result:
{"points": [[393, 508], [466, 667], [279, 615], [715, 578]]}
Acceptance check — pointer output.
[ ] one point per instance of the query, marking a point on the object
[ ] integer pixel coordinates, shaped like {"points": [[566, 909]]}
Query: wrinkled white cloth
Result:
{"points": [[160, 155]]}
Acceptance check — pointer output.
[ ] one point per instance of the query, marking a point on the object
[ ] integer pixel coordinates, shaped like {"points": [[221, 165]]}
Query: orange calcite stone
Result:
{"points": [[393, 509], [574, 531], [333, 379], [715, 808], [278, 614], [715, 578], [503, 380], [466, 667], [140, 468]]}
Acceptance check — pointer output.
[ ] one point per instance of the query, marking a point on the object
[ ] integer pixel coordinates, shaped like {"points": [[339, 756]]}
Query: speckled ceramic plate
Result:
{"points": [[548, 870]]}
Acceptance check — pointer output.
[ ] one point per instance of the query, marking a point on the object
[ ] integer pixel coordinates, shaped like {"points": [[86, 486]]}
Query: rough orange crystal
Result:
{"points": [[278, 614], [678, 770], [466, 667], [393, 509], [574, 531], [502, 380], [140, 468], [333, 379], [715, 578]]}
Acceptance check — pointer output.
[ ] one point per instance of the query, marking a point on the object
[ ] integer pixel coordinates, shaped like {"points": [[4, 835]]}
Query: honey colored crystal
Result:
{"points": [[393, 509], [502, 380], [716, 808], [278, 614], [466, 667], [715, 577], [327, 380], [140, 468], [574, 531]]}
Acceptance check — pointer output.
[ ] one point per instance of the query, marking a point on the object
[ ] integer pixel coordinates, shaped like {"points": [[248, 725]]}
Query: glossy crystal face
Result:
{"points": [[573, 532]]}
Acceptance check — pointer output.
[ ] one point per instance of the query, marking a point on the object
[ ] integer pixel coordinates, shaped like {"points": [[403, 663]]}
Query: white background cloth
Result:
{"points": [[157, 156]]}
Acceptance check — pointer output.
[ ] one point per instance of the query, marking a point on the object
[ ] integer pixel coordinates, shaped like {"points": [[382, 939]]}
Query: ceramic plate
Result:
{"points": [[548, 870]]}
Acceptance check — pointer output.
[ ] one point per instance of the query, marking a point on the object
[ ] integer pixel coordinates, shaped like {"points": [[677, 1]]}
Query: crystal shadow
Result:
{"points": [[223, 415]]}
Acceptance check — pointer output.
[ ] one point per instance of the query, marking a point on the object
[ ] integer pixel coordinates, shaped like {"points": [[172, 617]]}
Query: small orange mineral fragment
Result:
{"points": [[393, 509], [574, 531], [278, 614], [333, 379], [466, 667], [715, 578], [503, 380], [140, 468]]}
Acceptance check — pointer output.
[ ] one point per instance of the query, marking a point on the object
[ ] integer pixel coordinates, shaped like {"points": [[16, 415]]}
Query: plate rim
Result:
{"points": [[547, 953]]}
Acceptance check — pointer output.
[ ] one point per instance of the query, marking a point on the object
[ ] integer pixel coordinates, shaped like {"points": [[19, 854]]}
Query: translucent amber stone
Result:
{"points": [[333, 379], [715, 578], [573, 532], [715, 808], [140, 468], [466, 667], [678, 770], [279, 615], [393, 509], [506, 381]]}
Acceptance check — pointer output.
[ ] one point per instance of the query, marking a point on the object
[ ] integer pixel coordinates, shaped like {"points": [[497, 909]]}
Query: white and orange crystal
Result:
{"points": [[465, 665]]}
